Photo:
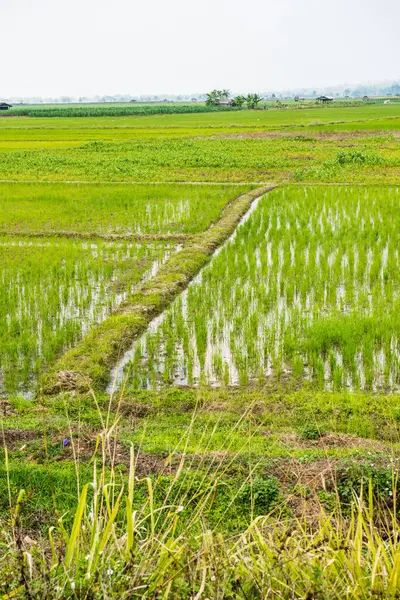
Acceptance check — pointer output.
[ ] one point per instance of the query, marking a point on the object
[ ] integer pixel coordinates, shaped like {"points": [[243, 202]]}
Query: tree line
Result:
{"points": [[216, 96]]}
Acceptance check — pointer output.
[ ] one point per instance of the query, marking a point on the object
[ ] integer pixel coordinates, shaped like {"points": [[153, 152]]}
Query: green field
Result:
{"points": [[307, 289], [244, 146], [199, 354], [54, 290], [111, 110], [265, 118], [107, 210]]}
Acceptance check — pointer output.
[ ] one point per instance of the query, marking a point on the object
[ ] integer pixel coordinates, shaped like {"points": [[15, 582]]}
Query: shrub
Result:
{"points": [[264, 493], [310, 431], [358, 157], [353, 479]]}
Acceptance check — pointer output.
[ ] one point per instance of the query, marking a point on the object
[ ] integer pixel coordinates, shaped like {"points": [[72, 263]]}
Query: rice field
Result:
{"points": [[53, 291], [306, 289], [111, 209], [249, 335], [224, 157], [204, 117]]}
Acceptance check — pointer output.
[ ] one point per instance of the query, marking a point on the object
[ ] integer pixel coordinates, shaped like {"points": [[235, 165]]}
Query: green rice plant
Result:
{"points": [[90, 210], [53, 290], [308, 286]]}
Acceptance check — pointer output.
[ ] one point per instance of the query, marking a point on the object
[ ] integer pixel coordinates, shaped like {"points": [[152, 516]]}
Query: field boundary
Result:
{"points": [[88, 364]]}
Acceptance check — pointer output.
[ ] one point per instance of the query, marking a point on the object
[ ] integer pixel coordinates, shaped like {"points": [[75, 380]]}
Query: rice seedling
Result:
{"points": [[102, 209], [307, 289], [53, 291]]}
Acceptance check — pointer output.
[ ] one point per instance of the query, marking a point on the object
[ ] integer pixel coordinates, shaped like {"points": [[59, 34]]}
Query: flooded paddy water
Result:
{"points": [[307, 288]]}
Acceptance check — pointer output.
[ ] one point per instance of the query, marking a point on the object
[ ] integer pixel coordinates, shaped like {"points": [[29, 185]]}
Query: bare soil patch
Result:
{"points": [[14, 438]]}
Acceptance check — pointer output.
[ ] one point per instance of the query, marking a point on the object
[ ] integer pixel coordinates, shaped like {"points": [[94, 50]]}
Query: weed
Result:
{"points": [[262, 494], [310, 431]]}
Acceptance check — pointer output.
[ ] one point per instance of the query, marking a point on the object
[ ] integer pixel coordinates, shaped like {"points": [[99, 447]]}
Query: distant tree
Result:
{"points": [[256, 99], [212, 97], [215, 95], [252, 100], [238, 101]]}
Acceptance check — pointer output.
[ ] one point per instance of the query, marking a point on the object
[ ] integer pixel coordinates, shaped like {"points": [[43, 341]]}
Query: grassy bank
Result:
{"points": [[230, 494]]}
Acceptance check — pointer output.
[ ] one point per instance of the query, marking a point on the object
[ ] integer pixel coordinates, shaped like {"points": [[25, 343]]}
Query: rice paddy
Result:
{"points": [[52, 292], [249, 336], [104, 209], [308, 288]]}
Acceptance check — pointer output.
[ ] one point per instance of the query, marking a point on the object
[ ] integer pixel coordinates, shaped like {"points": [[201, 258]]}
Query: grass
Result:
{"points": [[240, 146], [136, 521], [219, 159], [274, 118], [98, 559]]}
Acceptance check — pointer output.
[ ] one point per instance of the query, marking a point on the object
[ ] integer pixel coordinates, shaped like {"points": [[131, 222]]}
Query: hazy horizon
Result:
{"points": [[91, 48], [188, 93]]}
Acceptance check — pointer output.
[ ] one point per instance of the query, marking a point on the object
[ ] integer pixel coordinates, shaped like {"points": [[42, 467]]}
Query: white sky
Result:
{"points": [[88, 47]]}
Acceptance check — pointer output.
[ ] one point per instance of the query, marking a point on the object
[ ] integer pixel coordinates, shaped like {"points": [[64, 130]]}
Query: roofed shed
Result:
{"points": [[324, 99], [224, 102]]}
